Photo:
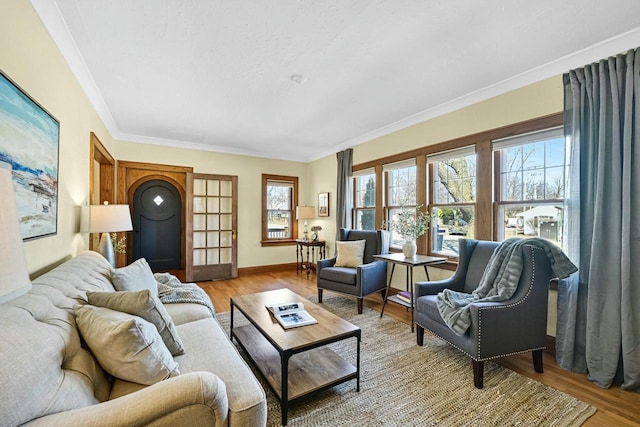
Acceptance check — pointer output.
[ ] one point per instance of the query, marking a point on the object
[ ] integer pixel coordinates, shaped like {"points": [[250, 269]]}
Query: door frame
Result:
{"points": [[132, 174]]}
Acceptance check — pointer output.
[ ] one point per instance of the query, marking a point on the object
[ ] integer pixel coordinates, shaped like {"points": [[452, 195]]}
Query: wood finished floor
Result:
{"points": [[615, 407]]}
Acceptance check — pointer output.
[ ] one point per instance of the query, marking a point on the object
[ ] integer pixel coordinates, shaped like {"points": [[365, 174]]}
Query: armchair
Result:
{"points": [[358, 281], [497, 329]]}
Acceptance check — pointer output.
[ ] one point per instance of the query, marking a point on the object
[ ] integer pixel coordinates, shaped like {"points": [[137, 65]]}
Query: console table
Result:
{"points": [[410, 263], [310, 263]]}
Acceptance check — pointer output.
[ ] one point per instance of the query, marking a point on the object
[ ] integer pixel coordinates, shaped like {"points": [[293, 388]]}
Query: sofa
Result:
{"points": [[50, 376]]}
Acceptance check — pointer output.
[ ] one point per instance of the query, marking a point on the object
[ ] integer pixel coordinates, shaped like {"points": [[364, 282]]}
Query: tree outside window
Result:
{"points": [[453, 189], [365, 203]]}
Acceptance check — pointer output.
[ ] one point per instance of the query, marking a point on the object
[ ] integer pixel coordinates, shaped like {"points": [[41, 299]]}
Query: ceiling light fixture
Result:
{"points": [[299, 79]]}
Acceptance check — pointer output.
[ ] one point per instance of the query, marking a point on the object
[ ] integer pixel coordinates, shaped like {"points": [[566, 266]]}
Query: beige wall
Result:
{"points": [[29, 57]]}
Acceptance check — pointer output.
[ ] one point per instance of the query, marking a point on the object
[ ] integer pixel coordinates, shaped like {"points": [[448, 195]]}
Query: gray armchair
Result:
{"points": [[497, 329], [359, 281]]}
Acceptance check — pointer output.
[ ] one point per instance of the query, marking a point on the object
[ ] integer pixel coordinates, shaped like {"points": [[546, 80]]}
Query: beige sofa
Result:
{"points": [[49, 377]]}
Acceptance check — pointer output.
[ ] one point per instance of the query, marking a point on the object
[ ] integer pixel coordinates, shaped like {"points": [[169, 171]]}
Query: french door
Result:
{"points": [[212, 250]]}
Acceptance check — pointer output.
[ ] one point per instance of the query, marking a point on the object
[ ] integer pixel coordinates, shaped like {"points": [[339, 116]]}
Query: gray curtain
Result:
{"points": [[343, 192], [599, 307]]}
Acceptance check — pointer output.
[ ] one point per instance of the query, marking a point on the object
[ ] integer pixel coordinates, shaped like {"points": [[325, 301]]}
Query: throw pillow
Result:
{"points": [[126, 346], [135, 277], [350, 253], [142, 304]]}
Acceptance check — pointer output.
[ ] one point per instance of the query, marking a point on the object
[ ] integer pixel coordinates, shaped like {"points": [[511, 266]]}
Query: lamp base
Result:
{"points": [[105, 248]]}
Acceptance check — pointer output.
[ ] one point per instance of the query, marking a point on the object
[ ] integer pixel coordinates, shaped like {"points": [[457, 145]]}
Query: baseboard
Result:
{"points": [[261, 269], [550, 342]]}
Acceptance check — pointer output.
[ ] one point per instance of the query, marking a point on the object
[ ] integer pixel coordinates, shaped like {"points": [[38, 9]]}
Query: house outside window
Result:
{"points": [[453, 197], [400, 186], [279, 199], [530, 190], [364, 211]]}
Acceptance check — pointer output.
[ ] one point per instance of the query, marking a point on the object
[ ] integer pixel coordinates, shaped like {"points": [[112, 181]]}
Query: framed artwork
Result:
{"points": [[29, 141], [323, 204]]}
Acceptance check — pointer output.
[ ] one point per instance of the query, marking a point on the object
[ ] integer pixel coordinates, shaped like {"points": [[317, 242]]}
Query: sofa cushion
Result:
{"points": [[126, 346], [183, 312], [349, 253], [346, 275], [142, 304], [135, 277]]}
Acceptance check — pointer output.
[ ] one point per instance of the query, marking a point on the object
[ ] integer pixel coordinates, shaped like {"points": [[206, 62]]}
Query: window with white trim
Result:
{"points": [[364, 207], [530, 191], [453, 198], [400, 191]]}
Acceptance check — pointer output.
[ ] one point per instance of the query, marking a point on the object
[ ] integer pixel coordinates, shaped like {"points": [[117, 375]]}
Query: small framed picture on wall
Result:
{"points": [[323, 204]]}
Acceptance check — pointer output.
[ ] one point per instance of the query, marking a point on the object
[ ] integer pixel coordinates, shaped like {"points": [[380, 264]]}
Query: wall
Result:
{"points": [[249, 171], [29, 57]]}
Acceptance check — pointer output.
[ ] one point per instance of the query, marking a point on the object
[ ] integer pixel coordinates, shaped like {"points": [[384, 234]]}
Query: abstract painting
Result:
{"points": [[29, 140]]}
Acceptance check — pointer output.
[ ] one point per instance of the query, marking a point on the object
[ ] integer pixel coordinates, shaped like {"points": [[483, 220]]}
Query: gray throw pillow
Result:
{"points": [[135, 277], [142, 304], [126, 346]]}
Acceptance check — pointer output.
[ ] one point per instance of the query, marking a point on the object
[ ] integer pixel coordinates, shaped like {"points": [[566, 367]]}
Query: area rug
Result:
{"points": [[402, 384]]}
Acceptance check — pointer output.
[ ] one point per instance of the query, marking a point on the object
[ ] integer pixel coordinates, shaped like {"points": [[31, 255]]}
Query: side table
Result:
{"points": [[310, 263], [410, 263]]}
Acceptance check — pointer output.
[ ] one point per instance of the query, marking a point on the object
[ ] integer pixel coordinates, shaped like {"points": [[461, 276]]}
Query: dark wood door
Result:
{"points": [[157, 225]]}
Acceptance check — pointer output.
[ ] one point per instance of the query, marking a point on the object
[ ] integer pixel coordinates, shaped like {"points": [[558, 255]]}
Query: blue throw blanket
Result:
{"points": [[171, 290], [499, 280]]}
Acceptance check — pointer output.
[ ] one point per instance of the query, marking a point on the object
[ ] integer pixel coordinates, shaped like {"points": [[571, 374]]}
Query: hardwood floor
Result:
{"points": [[615, 407]]}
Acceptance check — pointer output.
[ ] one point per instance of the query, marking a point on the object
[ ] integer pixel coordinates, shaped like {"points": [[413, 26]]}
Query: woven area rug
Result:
{"points": [[402, 384]]}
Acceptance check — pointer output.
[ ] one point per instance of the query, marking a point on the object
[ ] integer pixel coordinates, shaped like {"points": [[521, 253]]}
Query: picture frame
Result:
{"points": [[323, 204], [29, 142]]}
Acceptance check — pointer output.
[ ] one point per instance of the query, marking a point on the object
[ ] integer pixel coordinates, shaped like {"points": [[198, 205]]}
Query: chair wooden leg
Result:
{"points": [[478, 373], [360, 303], [419, 335], [537, 361], [319, 296]]}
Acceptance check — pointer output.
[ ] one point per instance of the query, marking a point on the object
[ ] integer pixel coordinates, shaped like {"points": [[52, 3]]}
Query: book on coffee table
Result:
{"points": [[291, 314]]}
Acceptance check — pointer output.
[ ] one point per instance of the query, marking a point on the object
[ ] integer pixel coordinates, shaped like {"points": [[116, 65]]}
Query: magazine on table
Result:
{"points": [[291, 314]]}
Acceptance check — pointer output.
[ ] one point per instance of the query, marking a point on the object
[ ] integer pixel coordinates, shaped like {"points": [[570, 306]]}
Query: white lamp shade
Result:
{"points": [[109, 218], [14, 276], [305, 212]]}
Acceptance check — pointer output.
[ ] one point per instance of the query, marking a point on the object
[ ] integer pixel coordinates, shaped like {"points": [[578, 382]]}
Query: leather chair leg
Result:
{"points": [[319, 296], [360, 301], [419, 335], [478, 373], [537, 361]]}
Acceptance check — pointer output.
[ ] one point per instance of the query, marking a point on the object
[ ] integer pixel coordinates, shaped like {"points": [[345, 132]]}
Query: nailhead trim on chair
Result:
{"points": [[533, 276]]}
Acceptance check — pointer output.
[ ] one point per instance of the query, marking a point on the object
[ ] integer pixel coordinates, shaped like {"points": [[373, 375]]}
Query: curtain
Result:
{"points": [[343, 191], [599, 307]]}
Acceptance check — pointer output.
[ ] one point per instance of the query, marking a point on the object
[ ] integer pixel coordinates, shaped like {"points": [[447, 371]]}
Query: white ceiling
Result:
{"points": [[216, 75]]}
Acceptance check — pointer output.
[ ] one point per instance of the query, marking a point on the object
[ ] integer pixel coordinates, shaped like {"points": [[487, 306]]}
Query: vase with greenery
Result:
{"points": [[410, 223]]}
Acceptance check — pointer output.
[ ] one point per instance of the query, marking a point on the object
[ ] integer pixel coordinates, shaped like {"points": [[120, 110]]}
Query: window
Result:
{"points": [[364, 211], [279, 199], [530, 190], [400, 182], [453, 197]]}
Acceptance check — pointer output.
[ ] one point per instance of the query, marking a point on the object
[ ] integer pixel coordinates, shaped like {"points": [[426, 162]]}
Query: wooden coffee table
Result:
{"points": [[315, 366]]}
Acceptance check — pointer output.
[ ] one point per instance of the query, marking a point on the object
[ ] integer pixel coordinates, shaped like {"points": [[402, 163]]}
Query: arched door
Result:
{"points": [[157, 225]]}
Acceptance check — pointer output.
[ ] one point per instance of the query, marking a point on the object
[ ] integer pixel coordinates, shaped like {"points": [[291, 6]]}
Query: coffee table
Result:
{"points": [[295, 362]]}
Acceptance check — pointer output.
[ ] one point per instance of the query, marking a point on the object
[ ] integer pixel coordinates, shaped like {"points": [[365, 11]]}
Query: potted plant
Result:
{"points": [[410, 223]]}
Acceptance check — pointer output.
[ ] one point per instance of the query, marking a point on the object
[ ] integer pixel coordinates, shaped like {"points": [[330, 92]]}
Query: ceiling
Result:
{"points": [[299, 80]]}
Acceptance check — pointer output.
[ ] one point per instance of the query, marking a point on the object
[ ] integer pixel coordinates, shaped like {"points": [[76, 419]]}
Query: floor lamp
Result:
{"points": [[14, 280], [108, 219]]}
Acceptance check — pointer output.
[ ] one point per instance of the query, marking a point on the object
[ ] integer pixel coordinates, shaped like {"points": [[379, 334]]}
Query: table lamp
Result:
{"points": [[305, 212], [14, 280], [108, 219]]}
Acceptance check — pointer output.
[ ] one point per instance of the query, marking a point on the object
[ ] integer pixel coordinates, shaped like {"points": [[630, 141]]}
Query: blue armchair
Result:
{"points": [[497, 329], [358, 281]]}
